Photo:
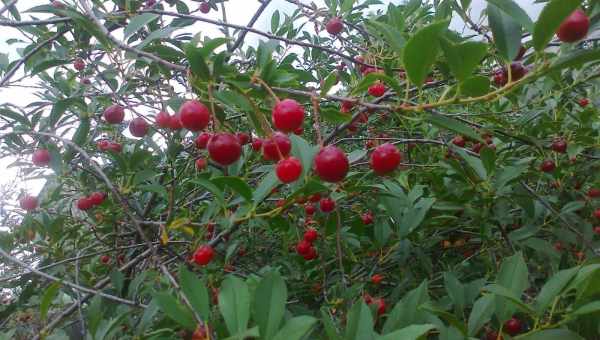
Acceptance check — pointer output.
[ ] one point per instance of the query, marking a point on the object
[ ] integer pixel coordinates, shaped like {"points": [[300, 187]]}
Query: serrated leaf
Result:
{"points": [[550, 19], [234, 304], [174, 310], [514, 11], [237, 184], [482, 312], [47, 298], [421, 51], [506, 31], [552, 289], [195, 291], [463, 58], [455, 126], [138, 22], [360, 322], [269, 304]]}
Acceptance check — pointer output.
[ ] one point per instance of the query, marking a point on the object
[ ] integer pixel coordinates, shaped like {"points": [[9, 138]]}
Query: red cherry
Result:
{"points": [[346, 106], [204, 7], [138, 127], [376, 279], [575, 27], [303, 247], [593, 193], [327, 205], [368, 70], [96, 198], [548, 165], [194, 115], [597, 213], [287, 115], [114, 147], [288, 170], [334, 26], [331, 164], [500, 77], [583, 102], [311, 254], [202, 140], [203, 255], [517, 71], [175, 122], [311, 235], [559, 145], [105, 259], [41, 157], [459, 141], [299, 131], [492, 335], [102, 145], [597, 230], [380, 306], [114, 114], [224, 148], [513, 326], [163, 120], [28, 203], [79, 64], [86, 81], [200, 164], [377, 89], [558, 246], [243, 137], [309, 209], [477, 147], [257, 144], [315, 198], [84, 203], [367, 218], [276, 147], [57, 4], [385, 159]]}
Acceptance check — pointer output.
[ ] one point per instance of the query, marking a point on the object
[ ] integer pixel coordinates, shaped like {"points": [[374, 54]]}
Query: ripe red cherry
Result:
{"points": [[28, 203], [311, 235], [163, 120], [41, 157], [459, 141], [311, 254], [194, 115], [331, 164], [138, 127], [200, 164], [105, 259], [597, 213], [334, 26], [593, 193], [115, 147], [204, 7], [597, 230], [243, 138], [299, 131], [517, 71], [224, 148], [202, 140], [309, 209], [287, 115], [380, 306], [376, 279], [500, 77], [102, 145], [84, 203], [150, 3], [203, 255], [548, 165], [114, 114], [276, 147], [79, 64], [257, 144], [559, 145], [288, 170], [346, 106], [583, 102], [492, 335], [175, 122], [367, 218], [513, 326], [377, 89], [303, 247], [385, 159], [575, 27], [315, 198], [96, 198], [327, 205]]}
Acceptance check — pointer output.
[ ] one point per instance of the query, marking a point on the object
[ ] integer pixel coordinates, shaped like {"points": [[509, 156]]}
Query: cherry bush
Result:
{"points": [[361, 172]]}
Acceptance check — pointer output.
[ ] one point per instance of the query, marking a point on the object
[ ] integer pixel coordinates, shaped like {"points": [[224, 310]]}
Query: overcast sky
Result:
{"points": [[238, 11]]}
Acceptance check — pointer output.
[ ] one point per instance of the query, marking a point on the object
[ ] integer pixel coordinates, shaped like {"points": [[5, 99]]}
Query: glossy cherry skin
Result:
{"points": [[200, 164], [311, 254], [28, 203], [334, 26], [163, 120], [574, 28], [327, 205], [377, 89], [367, 218], [114, 114], [138, 127], [311, 235], [459, 141], [204, 7], [41, 157], [303, 247], [583, 102], [224, 148], [257, 144], [97, 198], [513, 326], [194, 115], [276, 147], [548, 165], [105, 259], [287, 115], [79, 64], [331, 164], [385, 159], [203, 255], [288, 170], [202, 140], [559, 145], [84, 203], [243, 137], [376, 279], [309, 209]]}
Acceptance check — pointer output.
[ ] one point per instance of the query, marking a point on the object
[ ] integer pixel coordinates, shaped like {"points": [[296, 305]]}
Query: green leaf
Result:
{"points": [[346, 5], [592, 307], [514, 11], [234, 304], [360, 322], [330, 80], [208, 185], [330, 329], [553, 14], [6, 113], [138, 22], [87, 25], [574, 59], [405, 312], [269, 182], [391, 35], [195, 291], [197, 62], [174, 310], [235, 183], [269, 304], [513, 276], [47, 298], [551, 334], [482, 312], [463, 58], [304, 151], [475, 86], [455, 126], [412, 332], [504, 310], [456, 291], [296, 328], [506, 31], [421, 51]]}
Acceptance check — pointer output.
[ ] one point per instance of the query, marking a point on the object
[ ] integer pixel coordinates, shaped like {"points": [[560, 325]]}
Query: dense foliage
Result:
{"points": [[363, 172]]}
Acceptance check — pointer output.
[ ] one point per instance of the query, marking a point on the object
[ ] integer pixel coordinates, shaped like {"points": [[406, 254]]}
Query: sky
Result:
{"points": [[238, 11]]}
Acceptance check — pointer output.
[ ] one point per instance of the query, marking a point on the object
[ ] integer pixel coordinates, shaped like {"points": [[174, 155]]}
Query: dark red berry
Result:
{"points": [[459, 141], [309, 209], [583, 102], [257, 144], [327, 205], [559, 145], [202, 140], [367, 218], [377, 89], [243, 137], [334, 26], [385, 159], [28, 203], [138, 127], [331, 164], [114, 114], [548, 165], [203, 255], [376, 279], [288, 170], [311, 235], [315, 198], [97, 198], [194, 115], [593, 193], [41, 157], [311, 254], [79, 64], [204, 7], [575, 27], [276, 147], [200, 164], [105, 259], [84, 203], [163, 120], [287, 115], [303, 247], [513, 326], [224, 148], [596, 213]]}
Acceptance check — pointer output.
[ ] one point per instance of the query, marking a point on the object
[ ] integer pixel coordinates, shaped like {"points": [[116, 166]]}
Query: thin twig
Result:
{"points": [[8, 6]]}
